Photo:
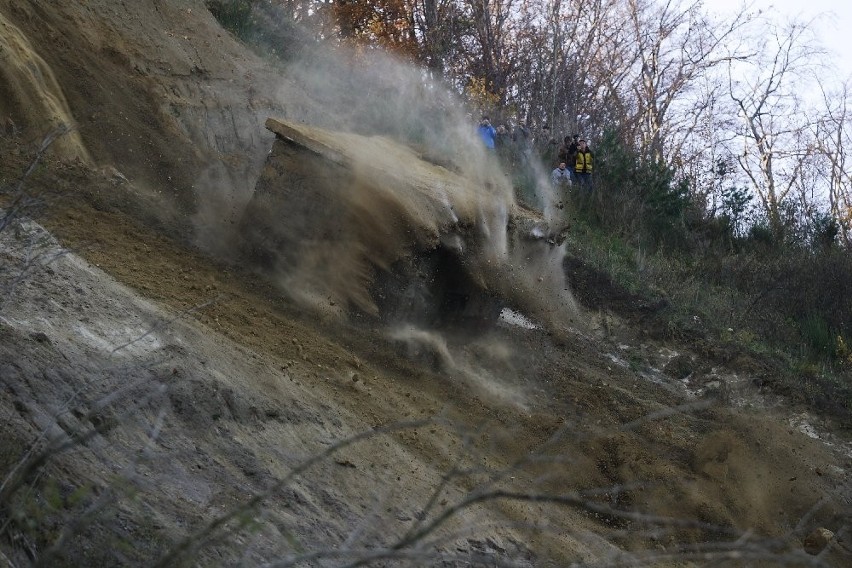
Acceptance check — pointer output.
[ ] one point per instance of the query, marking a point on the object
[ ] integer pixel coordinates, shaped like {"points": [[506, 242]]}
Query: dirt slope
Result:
{"points": [[219, 388]]}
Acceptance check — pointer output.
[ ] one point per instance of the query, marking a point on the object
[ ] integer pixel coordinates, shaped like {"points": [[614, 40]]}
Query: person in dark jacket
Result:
{"points": [[522, 137], [562, 151], [546, 146], [568, 153]]}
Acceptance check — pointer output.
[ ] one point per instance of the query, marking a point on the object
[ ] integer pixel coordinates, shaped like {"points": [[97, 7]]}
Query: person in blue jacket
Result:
{"points": [[487, 132]]}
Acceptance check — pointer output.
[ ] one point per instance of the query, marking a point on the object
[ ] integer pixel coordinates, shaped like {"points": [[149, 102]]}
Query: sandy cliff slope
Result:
{"points": [[180, 399], [155, 89]]}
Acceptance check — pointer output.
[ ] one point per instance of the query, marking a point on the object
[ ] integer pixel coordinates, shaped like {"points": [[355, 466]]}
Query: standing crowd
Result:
{"points": [[572, 161], [574, 156]]}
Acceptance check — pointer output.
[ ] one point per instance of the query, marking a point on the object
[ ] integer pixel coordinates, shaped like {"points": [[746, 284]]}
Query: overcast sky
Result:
{"points": [[834, 29]]}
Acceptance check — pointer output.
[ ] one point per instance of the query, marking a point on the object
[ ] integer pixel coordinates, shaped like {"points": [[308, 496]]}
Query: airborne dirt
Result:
{"points": [[206, 387]]}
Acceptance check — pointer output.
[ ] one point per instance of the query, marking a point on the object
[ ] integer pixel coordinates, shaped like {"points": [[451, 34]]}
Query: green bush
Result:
{"points": [[638, 198], [817, 337], [234, 15]]}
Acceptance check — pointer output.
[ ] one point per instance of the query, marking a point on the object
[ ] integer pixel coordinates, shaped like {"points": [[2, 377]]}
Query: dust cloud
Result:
{"points": [[433, 349], [405, 179]]}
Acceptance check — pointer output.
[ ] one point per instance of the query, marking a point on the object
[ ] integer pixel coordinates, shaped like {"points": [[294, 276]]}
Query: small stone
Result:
{"points": [[40, 337], [815, 542]]}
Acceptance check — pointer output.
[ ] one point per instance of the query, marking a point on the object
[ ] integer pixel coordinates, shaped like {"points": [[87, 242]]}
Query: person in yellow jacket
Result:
{"points": [[583, 166]]}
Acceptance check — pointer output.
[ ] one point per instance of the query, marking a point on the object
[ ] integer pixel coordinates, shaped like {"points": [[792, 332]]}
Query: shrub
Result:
{"points": [[639, 198], [817, 337], [234, 15], [761, 235], [824, 232]]}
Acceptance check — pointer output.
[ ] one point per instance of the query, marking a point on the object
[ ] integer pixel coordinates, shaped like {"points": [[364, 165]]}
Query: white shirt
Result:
{"points": [[560, 177]]}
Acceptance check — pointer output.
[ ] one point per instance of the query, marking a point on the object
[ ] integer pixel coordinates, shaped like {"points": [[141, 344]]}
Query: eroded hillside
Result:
{"points": [[181, 398]]}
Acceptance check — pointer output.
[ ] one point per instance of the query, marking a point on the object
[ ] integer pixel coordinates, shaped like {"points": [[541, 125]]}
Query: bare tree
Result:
{"points": [[587, 64], [440, 29], [772, 117], [833, 134], [571, 62], [677, 46]]}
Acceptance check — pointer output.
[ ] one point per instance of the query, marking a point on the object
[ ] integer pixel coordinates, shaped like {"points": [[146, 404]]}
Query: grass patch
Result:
{"points": [[743, 303]]}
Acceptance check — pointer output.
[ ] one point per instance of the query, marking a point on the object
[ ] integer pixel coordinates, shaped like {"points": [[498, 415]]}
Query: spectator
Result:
{"points": [[487, 133], [546, 146], [500, 137], [503, 144], [583, 166], [570, 156], [523, 142], [562, 153], [561, 176]]}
